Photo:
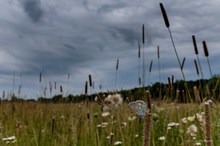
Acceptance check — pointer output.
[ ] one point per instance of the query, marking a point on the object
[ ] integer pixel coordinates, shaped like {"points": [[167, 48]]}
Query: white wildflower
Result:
{"points": [[191, 118], [198, 143], [98, 126], [132, 118], [192, 130], [103, 125], [11, 139], [105, 114], [123, 124], [168, 128], [199, 117], [172, 124], [117, 143], [162, 138], [62, 117], [184, 120], [112, 101], [96, 98], [109, 136], [210, 102]]}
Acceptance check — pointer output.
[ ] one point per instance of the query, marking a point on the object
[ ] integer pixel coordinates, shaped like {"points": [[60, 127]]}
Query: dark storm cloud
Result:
{"points": [[111, 7], [70, 46], [33, 9], [129, 35], [86, 37]]}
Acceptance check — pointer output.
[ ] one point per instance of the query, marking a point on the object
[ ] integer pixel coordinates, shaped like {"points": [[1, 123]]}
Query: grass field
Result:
{"points": [[191, 119], [84, 124]]}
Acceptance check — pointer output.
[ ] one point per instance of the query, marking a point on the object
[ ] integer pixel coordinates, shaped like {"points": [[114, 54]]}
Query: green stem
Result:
{"points": [[176, 53]]}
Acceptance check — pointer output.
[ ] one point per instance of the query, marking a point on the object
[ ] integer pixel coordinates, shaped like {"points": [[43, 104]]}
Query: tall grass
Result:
{"points": [[206, 52], [72, 124], [159, 68], [208, 135], [139, 63], [143, 54], [166, 20], [197, 52], [149, 71], [116, 73]]}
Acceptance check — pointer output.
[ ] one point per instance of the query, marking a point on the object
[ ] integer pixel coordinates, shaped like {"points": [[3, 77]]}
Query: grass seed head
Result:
{"points": [[205, 49], [195, 45], [164, 15]]}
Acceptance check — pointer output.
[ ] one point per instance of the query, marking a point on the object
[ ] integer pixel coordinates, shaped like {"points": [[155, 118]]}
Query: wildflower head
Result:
{"points": [[192, 130], [10, 139], [117, 143], [112, 101], [162, 138]]}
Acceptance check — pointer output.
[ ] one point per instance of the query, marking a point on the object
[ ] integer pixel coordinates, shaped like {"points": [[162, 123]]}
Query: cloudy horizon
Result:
{"points": [[68, 41]]}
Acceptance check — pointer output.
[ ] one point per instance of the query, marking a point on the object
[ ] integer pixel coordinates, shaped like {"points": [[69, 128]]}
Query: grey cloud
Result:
{"points": [[33, 9], [129, 35], [70, 46], [109, 8], [83, 37]]}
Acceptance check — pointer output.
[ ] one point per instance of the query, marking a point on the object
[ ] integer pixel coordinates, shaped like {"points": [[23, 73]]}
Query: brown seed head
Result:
{"points": [[143, 34], [197, 69], [194, 43], [164, 16], [205, 49]]}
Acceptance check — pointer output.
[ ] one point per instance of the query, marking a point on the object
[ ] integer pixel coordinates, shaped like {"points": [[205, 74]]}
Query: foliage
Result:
{"points": [[82, 124]]}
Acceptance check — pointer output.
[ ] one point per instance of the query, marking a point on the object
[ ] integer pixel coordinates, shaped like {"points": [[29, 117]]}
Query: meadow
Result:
{"points": [[178, 114], [83, 124]]}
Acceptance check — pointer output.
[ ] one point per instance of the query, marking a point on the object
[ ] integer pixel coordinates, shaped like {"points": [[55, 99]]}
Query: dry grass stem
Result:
{"points": [[197, 95], [183, 62], [86, 88], [90, 80], [147, 122], [208, 137], [196, 66]]}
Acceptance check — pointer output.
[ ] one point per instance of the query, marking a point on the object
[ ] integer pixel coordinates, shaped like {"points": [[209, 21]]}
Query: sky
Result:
{"points": [[67, 40]]}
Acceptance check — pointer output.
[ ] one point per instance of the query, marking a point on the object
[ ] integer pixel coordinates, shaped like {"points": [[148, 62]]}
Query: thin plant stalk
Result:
{"points": [[51, 88], [183, 62], [86, 88], [200, 67], [197, 52], [196, 66], [207, 56], [116, 73], [147, 122], [143, 41], [61, 89], [90, 80], [139, 63], [68, 83], [208, 136], [13, 85], [90, 83], [171, 37], [150, 68], [40, 77], [158, 57], [174, 47]]}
